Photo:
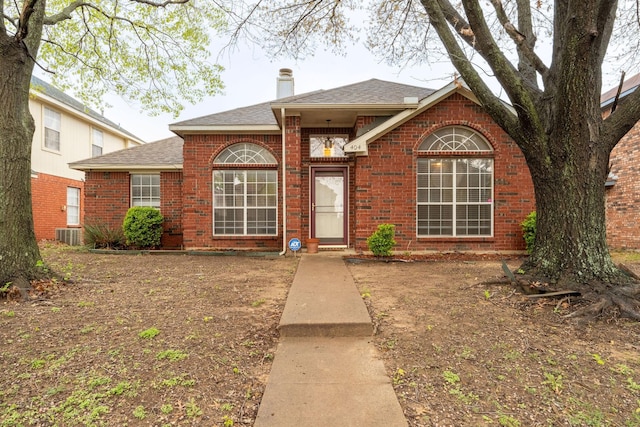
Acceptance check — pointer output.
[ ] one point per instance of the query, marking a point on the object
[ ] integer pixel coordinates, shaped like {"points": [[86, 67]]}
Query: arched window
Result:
{"points": [[245, 154], [245, 199], [455, 184]]}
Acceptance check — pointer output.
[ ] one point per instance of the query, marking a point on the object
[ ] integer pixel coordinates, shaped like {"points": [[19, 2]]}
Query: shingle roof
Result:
{"points": [[165, 152], [370, 92], [40, 85], [168, 152], [259, 114]]}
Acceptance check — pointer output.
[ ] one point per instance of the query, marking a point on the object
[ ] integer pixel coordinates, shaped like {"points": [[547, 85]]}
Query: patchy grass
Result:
{"points": [[124, 341]]}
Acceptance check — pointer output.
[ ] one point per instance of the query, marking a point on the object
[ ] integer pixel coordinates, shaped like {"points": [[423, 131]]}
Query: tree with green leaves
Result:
{"points": [[547, 58], [153, 52]]}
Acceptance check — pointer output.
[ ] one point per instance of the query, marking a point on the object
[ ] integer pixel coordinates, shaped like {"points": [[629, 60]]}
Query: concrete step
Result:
{"points": [[324, 301]]}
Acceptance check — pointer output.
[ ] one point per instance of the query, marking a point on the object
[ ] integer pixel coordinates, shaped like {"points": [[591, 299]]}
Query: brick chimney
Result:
{"points": [[284, 83]]}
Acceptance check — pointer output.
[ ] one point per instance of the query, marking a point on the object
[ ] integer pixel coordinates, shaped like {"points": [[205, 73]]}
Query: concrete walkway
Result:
{"points": [[326, 371]]}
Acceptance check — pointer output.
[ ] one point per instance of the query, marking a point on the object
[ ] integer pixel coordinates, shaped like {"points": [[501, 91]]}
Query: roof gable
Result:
{"points": [[359, 146]]}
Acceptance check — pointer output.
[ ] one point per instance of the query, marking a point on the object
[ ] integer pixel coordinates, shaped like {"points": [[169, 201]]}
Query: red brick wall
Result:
{"points": [[107, 200], [382, 186], [48, 197], [623, 199], [386, 182], [171, 208], [199, 151], [295, 175]]}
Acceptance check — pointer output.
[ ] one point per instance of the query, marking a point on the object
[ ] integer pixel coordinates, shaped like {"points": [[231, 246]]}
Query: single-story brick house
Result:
{"points": [[330, 164], [623, 185]]}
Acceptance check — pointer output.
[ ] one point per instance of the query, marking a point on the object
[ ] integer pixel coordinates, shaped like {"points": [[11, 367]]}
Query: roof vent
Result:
{"points": [[284, 83]]}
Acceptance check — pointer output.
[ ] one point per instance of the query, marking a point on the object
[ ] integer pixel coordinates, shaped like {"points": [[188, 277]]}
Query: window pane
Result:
{"points": [[455, 138], [145, 190], [97, 142], [52, 126], [327, 145], [52, 139], [73, 206], [470, 213], [253, 193], [245, 153]]}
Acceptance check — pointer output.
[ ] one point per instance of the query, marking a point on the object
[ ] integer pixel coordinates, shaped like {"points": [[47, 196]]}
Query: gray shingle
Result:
{"points": [[163, 152], [372, 92]]}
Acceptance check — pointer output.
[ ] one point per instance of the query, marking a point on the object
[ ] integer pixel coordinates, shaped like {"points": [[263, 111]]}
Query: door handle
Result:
{"points": [[313, 207]]}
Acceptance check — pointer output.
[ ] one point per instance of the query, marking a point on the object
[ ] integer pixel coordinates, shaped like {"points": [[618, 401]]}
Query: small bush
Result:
{"points": [[381, 242], [529, 231], [101, 236], [143, 227]]}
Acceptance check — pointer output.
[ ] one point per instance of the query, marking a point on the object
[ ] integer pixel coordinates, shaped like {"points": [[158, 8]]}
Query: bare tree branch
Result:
{"points": [[523, 37], [501, 114], [66, 12], [3, 17], [623, 119], [161, 4]]}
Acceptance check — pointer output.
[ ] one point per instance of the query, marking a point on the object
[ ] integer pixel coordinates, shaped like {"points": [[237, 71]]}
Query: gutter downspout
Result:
{"points": [[284, 184]]}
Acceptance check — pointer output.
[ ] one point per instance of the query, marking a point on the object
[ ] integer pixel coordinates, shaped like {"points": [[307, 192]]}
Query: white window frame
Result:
{"points": [[73, 206], [237, 210], [145, 190], [97, 142], [441, 185], [52, 122]]}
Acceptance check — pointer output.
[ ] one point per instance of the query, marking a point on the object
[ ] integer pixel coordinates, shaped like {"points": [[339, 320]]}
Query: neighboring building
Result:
{"points": [[66, 131], [331, 164], [623, 185]]}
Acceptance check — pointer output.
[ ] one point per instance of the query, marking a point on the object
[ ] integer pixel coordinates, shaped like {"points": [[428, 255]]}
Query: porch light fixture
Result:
{"points": [[328, 142]]}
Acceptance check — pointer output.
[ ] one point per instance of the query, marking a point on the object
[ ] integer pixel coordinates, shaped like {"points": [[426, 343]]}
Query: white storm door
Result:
{"points": [[328, 205]]}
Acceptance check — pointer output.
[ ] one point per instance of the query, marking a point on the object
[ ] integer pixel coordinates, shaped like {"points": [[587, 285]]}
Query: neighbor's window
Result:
{"points": [[97, 142], [245, 199], [327, 145], [52, 124], [73, 206], [145, 190], [455, 184]]}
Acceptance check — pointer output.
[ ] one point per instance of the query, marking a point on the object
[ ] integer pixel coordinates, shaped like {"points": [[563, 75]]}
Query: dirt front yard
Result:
{"points": [[141, 340], [464, 354]]}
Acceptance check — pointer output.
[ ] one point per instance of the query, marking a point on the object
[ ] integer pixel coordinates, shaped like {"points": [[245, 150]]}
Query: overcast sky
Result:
{"points": [[250, 78]]}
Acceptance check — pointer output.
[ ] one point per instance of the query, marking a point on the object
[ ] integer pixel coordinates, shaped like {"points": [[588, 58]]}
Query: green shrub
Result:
{"points": [[100, 236], [529, 231], [143, 227], [381, 242]]}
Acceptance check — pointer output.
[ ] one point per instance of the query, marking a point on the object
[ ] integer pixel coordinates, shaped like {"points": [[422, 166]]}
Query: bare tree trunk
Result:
{"points": [[570, 245], [19, 251], [569, 163]]}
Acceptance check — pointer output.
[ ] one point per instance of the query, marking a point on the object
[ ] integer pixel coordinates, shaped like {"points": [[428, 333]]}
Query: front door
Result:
{"points": [[328, 205]]}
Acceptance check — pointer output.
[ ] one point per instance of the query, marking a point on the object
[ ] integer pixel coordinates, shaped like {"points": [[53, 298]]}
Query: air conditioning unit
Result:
{"points": [[70, 236]]}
